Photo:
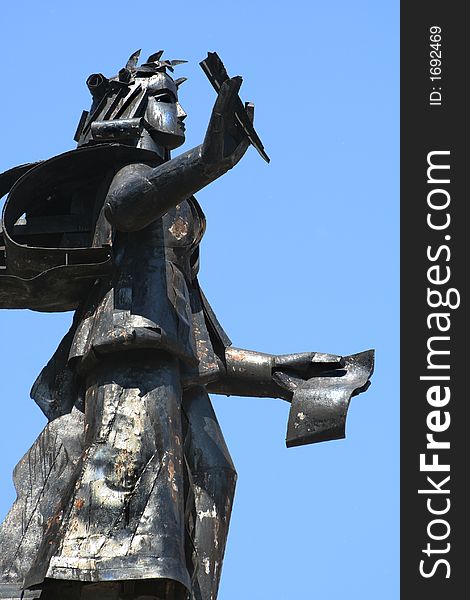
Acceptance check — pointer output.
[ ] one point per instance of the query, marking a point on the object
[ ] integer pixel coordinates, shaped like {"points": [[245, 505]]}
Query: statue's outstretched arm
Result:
{"points": [[141, 194], [250, 373], [319, 387]]}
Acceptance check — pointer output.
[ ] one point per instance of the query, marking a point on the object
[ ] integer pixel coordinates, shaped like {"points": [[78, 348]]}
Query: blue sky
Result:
{"points": [[301, 254]]}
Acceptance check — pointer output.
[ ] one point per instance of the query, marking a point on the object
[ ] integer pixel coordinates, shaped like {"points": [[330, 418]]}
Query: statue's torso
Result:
{"points": [[152, 300]]}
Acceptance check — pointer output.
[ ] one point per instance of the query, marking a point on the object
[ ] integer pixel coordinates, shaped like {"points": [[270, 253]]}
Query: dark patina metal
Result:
{"points": [[127, 493]]}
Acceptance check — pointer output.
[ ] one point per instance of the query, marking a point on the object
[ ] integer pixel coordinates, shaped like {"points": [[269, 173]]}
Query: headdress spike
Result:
{"points": [[133, 59], [155, 57]]}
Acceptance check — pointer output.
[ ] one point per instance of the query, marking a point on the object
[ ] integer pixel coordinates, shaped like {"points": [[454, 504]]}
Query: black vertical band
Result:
{"points": [[434, 300]]}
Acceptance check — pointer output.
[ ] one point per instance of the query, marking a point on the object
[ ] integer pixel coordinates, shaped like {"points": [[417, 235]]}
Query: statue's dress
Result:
{"points": [[131, 479]]}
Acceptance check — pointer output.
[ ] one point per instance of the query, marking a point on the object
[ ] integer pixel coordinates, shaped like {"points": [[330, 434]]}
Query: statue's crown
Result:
{"points": [[127, 74]]}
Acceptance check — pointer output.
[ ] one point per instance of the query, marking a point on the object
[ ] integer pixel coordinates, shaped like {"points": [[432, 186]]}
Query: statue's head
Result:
{"points": [[137, 107]]}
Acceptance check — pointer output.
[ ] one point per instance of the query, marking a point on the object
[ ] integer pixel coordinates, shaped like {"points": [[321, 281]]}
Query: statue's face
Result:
{"points": [[164, 113]]}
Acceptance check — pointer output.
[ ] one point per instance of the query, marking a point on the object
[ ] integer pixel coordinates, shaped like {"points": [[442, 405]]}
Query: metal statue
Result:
{"points": [[127, 492]]}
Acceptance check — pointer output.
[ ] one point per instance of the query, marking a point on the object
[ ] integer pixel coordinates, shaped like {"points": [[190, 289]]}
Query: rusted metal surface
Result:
{"points": [[41, 479], [128, 491]]}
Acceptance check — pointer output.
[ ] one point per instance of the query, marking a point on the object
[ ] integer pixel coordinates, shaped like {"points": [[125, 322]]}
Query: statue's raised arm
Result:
{"points": [[141, 194]]}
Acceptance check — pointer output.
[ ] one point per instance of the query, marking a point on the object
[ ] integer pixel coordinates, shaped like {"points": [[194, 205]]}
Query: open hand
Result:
{"points": [[225, 142], [292, 370]]}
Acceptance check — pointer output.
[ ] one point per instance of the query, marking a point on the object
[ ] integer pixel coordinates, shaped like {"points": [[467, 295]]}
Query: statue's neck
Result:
{"points": [[148, 143]]}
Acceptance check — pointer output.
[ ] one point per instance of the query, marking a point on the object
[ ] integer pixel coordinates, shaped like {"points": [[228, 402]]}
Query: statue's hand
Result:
{"points": [[225, 142], [291, 370], [307, 363]]}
